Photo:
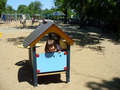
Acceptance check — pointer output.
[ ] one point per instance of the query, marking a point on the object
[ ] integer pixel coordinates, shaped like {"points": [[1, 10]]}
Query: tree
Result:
{"points": [[22, 9], [63, 5], [48, 13], [105, 10], [34, 8], [9, 9], [2, 6]]}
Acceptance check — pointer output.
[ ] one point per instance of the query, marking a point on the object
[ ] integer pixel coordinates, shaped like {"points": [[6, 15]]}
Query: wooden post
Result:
{"points": [[34, 67], [68, 64], [30, 56], [30, 49]]}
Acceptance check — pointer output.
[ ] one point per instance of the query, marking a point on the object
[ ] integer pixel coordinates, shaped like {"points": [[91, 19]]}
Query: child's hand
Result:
{"points": [[59, 51]]}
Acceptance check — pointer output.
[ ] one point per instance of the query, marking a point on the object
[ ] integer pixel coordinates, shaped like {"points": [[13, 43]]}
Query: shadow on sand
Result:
{"points": [[113, 84], [26, 27], [25, 74], [20, 40], [17, 40], [87, 36]]}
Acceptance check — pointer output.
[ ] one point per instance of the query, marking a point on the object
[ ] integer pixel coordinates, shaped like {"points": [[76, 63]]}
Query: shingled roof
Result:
{"points": [[41, 31]]}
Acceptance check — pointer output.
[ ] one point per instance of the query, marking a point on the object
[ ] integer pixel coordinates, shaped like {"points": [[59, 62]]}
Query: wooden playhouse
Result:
{"points": [[48, 63]]}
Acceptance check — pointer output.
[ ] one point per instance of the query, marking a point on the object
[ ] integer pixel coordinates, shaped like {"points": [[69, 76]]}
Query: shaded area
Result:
{"points": [[85, 36], [1, 23], [82, 37], [97, 48], [88, 36], [25, 74], [20, 40], [50, 79], [17, 40], [113, 84], [26, 27]]}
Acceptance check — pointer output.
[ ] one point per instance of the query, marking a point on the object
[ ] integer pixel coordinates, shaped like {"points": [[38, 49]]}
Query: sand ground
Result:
{"points": [[91, 69]]}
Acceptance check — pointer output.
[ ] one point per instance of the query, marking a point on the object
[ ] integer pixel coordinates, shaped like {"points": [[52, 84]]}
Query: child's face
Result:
{"points": [[52, 48]]}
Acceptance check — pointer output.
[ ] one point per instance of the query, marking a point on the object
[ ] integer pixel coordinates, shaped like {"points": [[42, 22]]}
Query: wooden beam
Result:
{"points": [[41, 36], [29, 52], [30, 55], [68, 64], [44, 74], [62, 34], [34, 67]]}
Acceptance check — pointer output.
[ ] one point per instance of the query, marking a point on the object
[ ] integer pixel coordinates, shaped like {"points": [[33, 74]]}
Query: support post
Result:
{"points": [[68, 64], [30, 56], [34, 67]]}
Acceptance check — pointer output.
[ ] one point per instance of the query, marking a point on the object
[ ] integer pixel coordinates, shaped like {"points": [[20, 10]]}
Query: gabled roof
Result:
{"points": [[41, 31]]}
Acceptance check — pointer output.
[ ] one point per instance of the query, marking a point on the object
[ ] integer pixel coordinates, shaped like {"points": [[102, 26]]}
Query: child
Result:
{"points": [[52, 45]]}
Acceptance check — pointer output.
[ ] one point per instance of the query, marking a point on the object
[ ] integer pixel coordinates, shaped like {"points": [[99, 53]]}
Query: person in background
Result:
{"points": [[23, 20], [33, 20]]}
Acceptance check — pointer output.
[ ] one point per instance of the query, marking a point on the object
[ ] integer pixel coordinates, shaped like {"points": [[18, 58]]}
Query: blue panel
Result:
{"points": [[51, 62]]}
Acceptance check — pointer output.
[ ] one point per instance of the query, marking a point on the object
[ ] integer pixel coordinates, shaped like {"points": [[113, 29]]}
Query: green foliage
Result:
{"points": [[107, 11], [22, 9], [9, 10], [34, 8], [2, 5], [48, 13], [63, 5]]}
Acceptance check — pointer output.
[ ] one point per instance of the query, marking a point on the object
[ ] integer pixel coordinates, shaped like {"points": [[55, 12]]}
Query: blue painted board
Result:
{"points": [[51, 62]]}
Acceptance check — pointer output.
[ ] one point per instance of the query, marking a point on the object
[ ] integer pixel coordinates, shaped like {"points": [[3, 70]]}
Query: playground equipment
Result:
{"points": [[13, 17], [52, 62]]}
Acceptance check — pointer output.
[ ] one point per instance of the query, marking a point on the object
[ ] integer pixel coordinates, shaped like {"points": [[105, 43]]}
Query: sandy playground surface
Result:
{"points": [[95, 63]]}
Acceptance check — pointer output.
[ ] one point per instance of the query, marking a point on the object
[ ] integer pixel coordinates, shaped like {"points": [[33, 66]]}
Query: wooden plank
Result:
{"points": [[62, 34], [30, 56], [68, 65], [34, 67], [36, 33], [44, 74], [38, 39]]}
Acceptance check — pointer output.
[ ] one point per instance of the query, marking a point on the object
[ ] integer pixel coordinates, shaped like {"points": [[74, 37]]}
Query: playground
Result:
{"points": [[94, 61]]}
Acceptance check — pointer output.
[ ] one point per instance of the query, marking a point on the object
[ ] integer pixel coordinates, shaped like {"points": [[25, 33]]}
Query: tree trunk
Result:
{"points": [[66, 15]]}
